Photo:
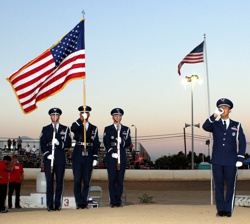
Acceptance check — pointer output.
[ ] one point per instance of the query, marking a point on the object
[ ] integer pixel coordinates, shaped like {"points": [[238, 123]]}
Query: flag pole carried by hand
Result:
{"points": [[84, 121]]}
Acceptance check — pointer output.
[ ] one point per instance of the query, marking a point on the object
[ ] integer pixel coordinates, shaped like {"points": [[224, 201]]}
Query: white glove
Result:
{"points": [[85, 116], [95, 162], [115, 155], [239, 164], [55, 141], [49, 157], [219, 111], [119, 140]]}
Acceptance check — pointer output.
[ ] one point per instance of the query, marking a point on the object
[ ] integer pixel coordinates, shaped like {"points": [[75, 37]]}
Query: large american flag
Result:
{"points": [[195, 56], [51, 71]]}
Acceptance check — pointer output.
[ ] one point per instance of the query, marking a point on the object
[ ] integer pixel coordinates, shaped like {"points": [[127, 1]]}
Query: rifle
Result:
{"points": [[53, 149], [118, 145]]}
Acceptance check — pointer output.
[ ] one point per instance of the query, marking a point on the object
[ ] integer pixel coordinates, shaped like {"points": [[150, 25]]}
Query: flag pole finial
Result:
{"points": [[83, 13]]}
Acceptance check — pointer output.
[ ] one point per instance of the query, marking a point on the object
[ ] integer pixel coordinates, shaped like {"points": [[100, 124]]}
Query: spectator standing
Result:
{"points": [[16, 179], [19, 143], [4, 171], [9, 144], [14, 144]]}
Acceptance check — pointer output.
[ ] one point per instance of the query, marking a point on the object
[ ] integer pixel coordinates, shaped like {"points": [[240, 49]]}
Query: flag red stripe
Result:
{"points": [[50, 82], [195, 56], [15, 77]]}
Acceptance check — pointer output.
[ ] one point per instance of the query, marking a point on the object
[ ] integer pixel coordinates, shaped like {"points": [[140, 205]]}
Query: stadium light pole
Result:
{"points": [[135, 136], [192, 79], [185, 143]]}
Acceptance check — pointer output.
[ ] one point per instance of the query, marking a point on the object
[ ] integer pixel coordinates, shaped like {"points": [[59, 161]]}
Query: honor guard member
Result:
{"points": [[111, 140], [84, 157], [61, 141], [229, 149]]}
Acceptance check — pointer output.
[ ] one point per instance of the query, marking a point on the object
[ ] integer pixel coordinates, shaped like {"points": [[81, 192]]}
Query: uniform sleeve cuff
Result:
{"points": [[240, 158]]}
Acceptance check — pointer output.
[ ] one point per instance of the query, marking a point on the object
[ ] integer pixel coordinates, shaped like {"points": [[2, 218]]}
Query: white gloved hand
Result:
{"points": [[55, 141], [85, 116], [219, 111], [239, 164], [95, 162], [119, 140], [115, 155], [49, 157]]}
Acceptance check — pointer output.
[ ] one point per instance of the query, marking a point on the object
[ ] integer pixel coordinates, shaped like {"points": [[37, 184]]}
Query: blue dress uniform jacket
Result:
{"points": [[226, 142], [83, 164], [115, 176], [229, 146], [64, 138]]}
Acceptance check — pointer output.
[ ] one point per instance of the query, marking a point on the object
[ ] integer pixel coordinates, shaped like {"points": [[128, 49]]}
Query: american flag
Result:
{"points": [[195, 56], [51, 71]]}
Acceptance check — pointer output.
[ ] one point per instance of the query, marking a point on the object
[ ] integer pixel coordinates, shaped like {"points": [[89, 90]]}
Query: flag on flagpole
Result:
{"points": [[195, 56], [49, 73]]}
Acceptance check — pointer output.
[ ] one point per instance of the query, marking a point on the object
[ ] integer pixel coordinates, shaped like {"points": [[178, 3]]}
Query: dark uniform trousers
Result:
{"points": [[82, 164], [224, 157], [13, 186], [115, 176], [115, 181], [64, 138]]}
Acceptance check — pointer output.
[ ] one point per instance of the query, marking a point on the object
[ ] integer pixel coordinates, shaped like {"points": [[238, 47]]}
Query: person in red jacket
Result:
{"points": [[16, 178], [4, 173]]}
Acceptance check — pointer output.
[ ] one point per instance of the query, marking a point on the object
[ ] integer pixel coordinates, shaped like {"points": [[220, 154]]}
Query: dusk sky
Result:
{"points": [[133, 48]]}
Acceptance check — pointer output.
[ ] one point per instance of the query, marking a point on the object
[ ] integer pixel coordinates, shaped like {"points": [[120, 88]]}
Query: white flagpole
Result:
{"points": [[209, 113]]}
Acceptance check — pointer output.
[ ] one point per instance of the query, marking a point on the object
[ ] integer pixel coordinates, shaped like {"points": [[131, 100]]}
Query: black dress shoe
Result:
{"points": [[119, 205], [84, 206], [18, 206], [57, 208], [112, 205], [220, 214], [50, 208], [228, 214], [81, 206]]}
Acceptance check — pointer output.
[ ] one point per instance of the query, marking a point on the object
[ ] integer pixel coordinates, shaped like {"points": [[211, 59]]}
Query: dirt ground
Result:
{"points": [[174, 202]]}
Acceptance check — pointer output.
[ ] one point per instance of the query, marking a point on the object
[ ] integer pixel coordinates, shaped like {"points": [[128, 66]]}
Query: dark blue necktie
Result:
{"points": [[225, 125]]}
